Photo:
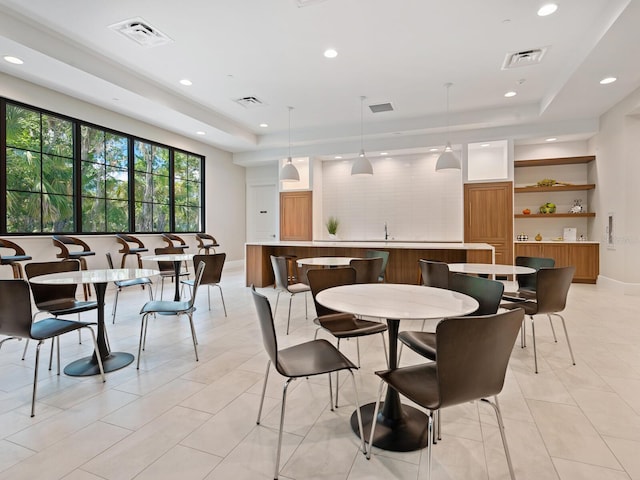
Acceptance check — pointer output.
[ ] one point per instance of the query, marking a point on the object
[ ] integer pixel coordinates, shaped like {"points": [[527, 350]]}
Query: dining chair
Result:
{"points": [[367, 269], [206, 242], [173, 240], [308, 359], [477, 348], [552, 288], [527, 281], [341, 325], [280, 272], [19, 255], [120, 284], [167, 268], [170, 307], [126, 242], [212, 274], [16, 321], [63, 242], [434, 273], [385, 259]]}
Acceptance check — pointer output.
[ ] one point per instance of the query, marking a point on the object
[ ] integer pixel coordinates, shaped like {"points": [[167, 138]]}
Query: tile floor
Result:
{"points": [[176, 418]]}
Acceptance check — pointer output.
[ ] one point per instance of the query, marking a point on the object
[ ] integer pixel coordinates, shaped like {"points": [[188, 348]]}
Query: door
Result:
{"points": [[488, 217], [296, 213], [261, 213]]}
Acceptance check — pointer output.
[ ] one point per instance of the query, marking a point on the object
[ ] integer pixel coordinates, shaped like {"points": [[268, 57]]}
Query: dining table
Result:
{"points": [[99, 278], [399, 427], [489, 269], [177, 259], [324, 261]]}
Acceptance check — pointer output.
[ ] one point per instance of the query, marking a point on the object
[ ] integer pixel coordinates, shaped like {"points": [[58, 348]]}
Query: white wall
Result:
{"points": [[224, 182]]}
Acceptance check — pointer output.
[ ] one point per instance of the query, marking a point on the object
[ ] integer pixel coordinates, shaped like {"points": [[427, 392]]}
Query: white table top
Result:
{"points": [[93, 276], [395, 244], [397, 301], [169, 257], [489, 269], [325, 261]]}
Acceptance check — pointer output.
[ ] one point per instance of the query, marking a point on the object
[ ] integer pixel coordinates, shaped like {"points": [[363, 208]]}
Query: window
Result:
{"points": [[60, 175]]}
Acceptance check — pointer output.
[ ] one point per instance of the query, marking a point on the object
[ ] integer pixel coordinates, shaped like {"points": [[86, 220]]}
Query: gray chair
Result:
{"points": [[473, 355], [552, 288], [120, 284], [367, 269], [212, 274], [527, 281], [16, 321], [385, 259], [307, 359], [170, 307], [434, 273], [280, 272]]}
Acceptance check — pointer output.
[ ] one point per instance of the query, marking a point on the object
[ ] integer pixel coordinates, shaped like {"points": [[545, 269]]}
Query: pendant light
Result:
{"points": [[362, 165], [447, 160], [289, 171]]}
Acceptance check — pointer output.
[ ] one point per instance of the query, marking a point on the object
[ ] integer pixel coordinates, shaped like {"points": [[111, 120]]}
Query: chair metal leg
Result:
{"points": [[358, 350], [553, 330], [566, 334], [35, 380], [193, 335], [284, 401], [429, 444], [384, 348], [523, 334], [306, 310], [97, 351], [115, 306], [209, 296], [142, 334], [373, 418], [9, 338], [535, 353], [264, 390], [57, 353], [337, 379], [24, 351], [275, 309], [358, 413], [289, 316], [53, 346], [222, 297], [331, 391], [496, 408]]}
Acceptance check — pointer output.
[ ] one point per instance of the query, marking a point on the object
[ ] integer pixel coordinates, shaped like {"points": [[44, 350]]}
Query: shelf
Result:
{"points": [[554, 161], [558, 188], [556, 215]]}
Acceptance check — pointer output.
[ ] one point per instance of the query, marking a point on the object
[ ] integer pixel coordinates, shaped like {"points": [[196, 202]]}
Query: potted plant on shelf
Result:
{"points": [[332, 226]]}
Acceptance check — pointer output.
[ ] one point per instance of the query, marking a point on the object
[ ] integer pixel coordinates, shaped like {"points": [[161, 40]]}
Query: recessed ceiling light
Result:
{"points": [[186, 82], [330, 53], [552, 139], [434, 149], [200, 132], [510, 94], [607, 80], [338, 157], [547, 9], [384, 153], [264, 125], [485, 145], [14, 60]]}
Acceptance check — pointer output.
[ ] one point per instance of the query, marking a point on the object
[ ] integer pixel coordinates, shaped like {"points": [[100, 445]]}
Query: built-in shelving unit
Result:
{"points": [[554, 215]]}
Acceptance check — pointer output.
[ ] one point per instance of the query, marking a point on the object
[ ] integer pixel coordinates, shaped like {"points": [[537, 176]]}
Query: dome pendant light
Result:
{"points": [[447, 160], [289, 171], [362, 165]]}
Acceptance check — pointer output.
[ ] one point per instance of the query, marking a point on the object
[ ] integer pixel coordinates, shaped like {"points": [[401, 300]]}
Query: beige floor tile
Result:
{"points": [[627, 452], [569, 470], [180, 462]]}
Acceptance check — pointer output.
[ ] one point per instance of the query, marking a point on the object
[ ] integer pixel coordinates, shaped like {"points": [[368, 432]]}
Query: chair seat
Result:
{"points": [[138, 250], [423, 343], [165, 306], [76, 255], [298, 288], [66, 306], [345, 325], [52, 327], [13, 258], [209, 245], [419, 383], [133, 282], [312, 358], [520, 295], [172, 273], [529, 307]]}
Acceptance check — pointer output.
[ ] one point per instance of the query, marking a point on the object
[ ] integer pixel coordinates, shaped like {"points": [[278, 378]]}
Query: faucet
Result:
{"points": [[386, 231]]}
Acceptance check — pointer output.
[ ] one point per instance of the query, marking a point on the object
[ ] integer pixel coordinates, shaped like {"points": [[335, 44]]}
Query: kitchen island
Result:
{"points": [[403, 256]]}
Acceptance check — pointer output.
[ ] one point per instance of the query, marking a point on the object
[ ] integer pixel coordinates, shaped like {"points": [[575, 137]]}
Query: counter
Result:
{"points": [[403, 256]]}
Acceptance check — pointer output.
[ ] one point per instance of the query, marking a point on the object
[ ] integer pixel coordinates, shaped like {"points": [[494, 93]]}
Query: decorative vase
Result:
{"points": [[538, 238], [522, 237]]}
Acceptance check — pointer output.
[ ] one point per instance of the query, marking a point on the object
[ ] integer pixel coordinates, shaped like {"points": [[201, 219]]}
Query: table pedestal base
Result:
{"points": [[89, 366], [404, 435]]}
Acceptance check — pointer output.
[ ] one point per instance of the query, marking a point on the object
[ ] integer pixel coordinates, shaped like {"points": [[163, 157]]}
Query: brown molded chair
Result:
{"points": [[385, 259], [527, 281], [206, 242], [16, 321], [171, 307], [125, 240], [212, 274], [171, 238], [120, 284], [167, 269], [280, 272], [434, 273], [341, 325], [367, 269], [19, 255], [473, 355], [307, 359], [552, 288], [63, 242]]}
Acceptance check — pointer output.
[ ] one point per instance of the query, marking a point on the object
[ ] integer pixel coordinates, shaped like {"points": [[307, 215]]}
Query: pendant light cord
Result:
{"points": [[290, 108], [362, 99]]}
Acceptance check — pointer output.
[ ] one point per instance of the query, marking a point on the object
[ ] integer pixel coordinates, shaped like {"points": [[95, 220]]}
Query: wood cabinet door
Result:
{"points": [[296, 215], [586, 259], [488, 217]]}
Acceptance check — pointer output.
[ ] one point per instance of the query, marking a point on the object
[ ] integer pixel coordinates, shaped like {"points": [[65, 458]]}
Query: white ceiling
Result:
{"points": [[398, 51]]}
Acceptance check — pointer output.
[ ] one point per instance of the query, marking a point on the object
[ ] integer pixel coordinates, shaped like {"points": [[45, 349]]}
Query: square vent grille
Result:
{"points": [[381, 107], [141, 32], [523, 58], [306, 3], [249, 102]]}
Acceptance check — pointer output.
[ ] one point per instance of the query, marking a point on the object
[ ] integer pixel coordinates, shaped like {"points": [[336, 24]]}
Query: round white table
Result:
{"points": [[324, 261], [99, 278], [177, 259], [489, 269], [399, 427]]}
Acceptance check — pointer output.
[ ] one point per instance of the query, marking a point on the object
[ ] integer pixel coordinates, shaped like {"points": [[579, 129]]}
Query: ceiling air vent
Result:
{"points": [[523, 58], [249, 102], [306, 3], [381, 107], [141, 32]]}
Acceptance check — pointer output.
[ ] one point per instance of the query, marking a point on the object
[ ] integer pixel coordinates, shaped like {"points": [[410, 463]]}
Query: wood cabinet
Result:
{"points": [[584, 256], [296, 215]]}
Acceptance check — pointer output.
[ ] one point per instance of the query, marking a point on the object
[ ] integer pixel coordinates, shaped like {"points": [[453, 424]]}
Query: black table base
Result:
{"points": [[89, 366]]}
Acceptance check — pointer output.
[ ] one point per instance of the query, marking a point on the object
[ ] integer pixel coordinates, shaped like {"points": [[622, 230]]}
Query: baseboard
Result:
{"points": [[618, 286]]}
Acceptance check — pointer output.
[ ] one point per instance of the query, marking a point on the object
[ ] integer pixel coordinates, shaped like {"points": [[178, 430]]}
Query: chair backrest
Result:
{"points": [[205, 236], [14, 246], [109, 260], [196, 282], [279, 265], [46, 293], [322, 278], [61, 241], [473, 355], [527, 281], [367, 269], [167, 266], [385, 259], [487, 292], [15, 308], [265, 318], [552, 288], [169, 238], [124, 240], [434, 273], [214, 263]]}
